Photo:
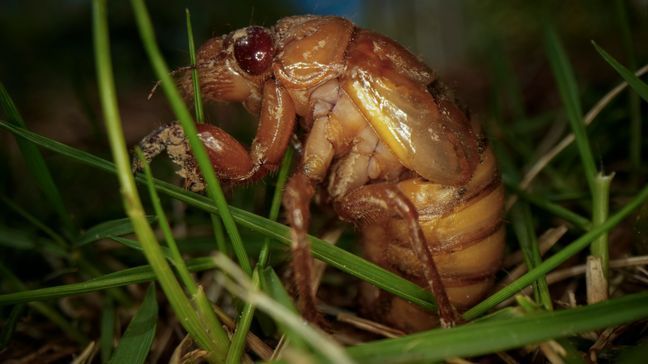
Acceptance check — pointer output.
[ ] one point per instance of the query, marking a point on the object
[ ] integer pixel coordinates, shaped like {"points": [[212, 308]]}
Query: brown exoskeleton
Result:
{"points": [[395, 154]]}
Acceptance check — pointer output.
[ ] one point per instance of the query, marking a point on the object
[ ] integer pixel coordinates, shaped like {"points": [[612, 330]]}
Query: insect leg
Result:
{"points": [[313, 168], [383, 201], [232, 162], [276, 124], [296, 200], [155, 143]]}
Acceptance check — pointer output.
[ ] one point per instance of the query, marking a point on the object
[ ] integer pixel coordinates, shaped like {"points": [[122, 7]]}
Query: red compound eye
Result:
{"points": [[253, 52]]}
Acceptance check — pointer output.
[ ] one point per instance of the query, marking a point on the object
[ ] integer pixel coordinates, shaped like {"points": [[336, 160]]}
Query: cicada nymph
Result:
{"points": [[381, 135]]}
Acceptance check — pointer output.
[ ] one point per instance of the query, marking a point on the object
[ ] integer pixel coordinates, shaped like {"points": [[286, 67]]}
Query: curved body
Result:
{"points": [[382, 136]]}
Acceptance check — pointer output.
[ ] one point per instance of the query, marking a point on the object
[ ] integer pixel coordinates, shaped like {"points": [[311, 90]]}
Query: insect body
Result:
{"points": [[381, 136]]}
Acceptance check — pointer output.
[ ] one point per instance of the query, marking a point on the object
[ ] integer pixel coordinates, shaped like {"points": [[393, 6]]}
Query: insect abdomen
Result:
{"points": [[462, 225]]}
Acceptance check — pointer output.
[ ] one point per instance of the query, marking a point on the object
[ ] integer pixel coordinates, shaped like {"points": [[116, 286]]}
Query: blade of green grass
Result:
{"points": [[203, 306], [568, 90], [212, 339], [134, 275], [243, 326], [134, 244], [600, 207], [276, 290], [92, 269], [634, 107], [558, 258], [639, 86], [553, 208], [571, 355], [174, 252], [9, 325], [569, 94], [58, 239], [108, 229], [200, 115], [35, 163], [525, 232], [179, 108], [19, 239], [217, 225], [219, 235], [279, 233], [487, 337], [275, 205], [135, 345], [107, 329]]}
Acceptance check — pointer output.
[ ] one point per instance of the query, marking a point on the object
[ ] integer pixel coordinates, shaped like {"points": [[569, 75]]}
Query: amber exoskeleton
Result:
{"points": [[381, 136]]}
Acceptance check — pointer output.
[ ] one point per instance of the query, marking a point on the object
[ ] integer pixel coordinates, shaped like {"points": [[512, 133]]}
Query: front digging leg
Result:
{"points": [[232, 162], [229, 158]]}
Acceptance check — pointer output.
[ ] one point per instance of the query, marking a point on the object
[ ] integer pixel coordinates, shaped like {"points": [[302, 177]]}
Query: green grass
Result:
{"points": [[524, 228], [36, 163], [184, 117], [135, 345], [599, 184], [115, 252], [487, 337], [208, 333]]}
